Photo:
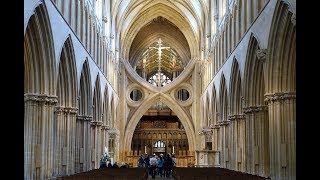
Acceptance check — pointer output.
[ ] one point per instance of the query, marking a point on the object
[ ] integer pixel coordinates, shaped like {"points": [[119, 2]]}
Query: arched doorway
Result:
{"points": [[160, 131]]}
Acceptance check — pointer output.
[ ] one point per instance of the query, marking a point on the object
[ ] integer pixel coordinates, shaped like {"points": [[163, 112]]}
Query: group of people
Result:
{"points": [[161, 165], [114, 165]]}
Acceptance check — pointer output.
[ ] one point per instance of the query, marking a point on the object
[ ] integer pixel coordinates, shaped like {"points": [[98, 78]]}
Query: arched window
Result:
{"points": [[159, 144]]}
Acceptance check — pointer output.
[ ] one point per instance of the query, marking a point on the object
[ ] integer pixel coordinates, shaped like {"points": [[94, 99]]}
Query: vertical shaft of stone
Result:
{"points": [[255, 8], [232, 142], [241, 132], [30, 103], [52, 124], [57, 130], [282, 134], [34, 138], [243, 24], [249, 13], [88, 143], [248, 143], [79, 123]]}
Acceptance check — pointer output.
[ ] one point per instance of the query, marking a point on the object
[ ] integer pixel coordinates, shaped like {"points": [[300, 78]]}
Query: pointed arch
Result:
{"points": [[223, 100], [207, 111], [179, 111], [97, 100], [67, 74], [106, 107], [39, 58], [235, 97], [281, 75], [254, 80], [85, 93], [214, 106], [82, 154]]}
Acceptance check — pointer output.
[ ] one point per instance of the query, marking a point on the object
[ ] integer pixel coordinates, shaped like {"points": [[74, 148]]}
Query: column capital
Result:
{"points": [[43, 98], [59, 109], [207, 132], [105, 127], [261, 54], [113, 133], [253, 109], [279, 96], [84, 117], [96, 123], [224, 123], [236, 117], [71, 110]]}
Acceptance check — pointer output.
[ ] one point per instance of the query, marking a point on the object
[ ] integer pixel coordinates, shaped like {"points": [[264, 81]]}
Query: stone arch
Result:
{"points": [[235, 89], [160, 9], [236, 117], [256, 117], [113, 113], [96, 145], [85, 93], [97, 100], [253, 75], [39, 94], [67, 75], [281, 76], [207, 111], [182, 115], [214, 106], [106, 107], [82, 154], [223, 100], [39, 58], [281, 91], [65, 123]]}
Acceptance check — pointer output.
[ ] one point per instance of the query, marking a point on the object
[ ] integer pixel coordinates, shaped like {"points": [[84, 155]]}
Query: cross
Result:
{"points": [[159, 48]]}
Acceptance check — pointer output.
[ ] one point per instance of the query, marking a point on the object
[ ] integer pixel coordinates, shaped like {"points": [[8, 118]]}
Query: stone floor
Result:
{"points": [[162, 178]]}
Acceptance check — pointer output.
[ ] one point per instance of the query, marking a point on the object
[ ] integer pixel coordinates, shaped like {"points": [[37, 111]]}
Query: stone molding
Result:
{"points": [[261, 54], [236, 117], [42, 98], [253, 109], [113, 133], [224, 123], [279, 96], [69, 110], [105, 127], [84, 118], [207, 132], [96, 123], [216, 126]]}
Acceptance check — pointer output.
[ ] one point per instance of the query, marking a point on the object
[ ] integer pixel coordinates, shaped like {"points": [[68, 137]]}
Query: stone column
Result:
{"points": [[224, 144], [257, 143], [96, 146], [237, 144], [114, 137], [38, 138], [215, 144], [82, 143], [282, 128], [65, 140]]}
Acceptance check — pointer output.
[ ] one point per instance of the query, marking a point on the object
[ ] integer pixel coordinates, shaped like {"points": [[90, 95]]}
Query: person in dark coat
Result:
{"points": [[115, 165], [167, 164], [109, 165]]}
